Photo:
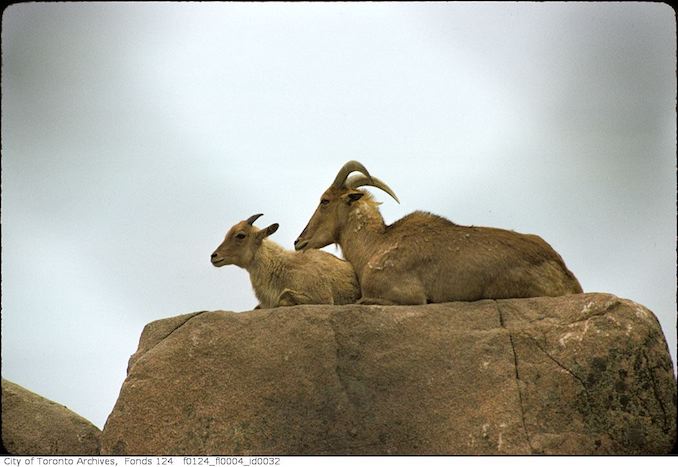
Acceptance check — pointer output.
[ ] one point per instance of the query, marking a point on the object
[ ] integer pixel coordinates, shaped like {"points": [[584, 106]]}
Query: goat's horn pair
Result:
{"points": [[360, 180], [251, 219], [350, 166]]}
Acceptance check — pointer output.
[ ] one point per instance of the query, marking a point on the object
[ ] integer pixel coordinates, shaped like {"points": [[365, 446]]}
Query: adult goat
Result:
{"points": [[424, 258]]}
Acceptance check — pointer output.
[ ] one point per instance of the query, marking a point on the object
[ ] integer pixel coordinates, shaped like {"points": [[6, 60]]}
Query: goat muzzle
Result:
{"points": [[300, 244]]}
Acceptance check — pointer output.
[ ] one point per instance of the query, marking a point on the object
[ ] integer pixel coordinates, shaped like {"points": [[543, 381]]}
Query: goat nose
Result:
{"points": [[296, 241], [214, 255]]}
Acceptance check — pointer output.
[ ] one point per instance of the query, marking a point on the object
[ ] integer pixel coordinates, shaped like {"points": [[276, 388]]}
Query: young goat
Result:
{"points": [[424, 258], [283, 278]]}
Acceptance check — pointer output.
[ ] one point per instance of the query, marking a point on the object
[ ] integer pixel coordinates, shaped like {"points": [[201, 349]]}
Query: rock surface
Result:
{"points": [[33, 425], [581, 374]]}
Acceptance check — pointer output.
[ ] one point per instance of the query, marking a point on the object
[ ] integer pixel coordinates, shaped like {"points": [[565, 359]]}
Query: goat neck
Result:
{"points": [[267, 261], [360, 235]]}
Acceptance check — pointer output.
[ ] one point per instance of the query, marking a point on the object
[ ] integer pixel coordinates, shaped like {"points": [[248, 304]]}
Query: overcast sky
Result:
{"points": [[135, 134]]}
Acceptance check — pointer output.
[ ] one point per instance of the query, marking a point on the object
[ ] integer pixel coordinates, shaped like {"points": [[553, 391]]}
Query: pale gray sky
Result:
{"points": [[135, 134]]}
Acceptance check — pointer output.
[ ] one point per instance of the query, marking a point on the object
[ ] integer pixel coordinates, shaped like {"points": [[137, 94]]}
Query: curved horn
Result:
{"points": [[350, 166], [251, 219], [360, 180]]}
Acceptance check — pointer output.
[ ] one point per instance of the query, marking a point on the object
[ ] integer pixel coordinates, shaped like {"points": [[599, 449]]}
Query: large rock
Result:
{"points": [[582, 374], [33, 425]]}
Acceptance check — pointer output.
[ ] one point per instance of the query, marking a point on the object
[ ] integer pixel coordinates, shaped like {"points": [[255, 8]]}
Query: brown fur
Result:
{"points": [[282, 278], [424, 258]]}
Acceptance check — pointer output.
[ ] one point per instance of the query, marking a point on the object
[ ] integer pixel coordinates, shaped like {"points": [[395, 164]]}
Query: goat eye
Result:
{"points": [[240, 235], [324, 202]]}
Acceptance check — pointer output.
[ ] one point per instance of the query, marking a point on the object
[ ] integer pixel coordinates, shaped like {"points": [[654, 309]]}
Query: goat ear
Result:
{"points": [[353, 196], [270, 230]]}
